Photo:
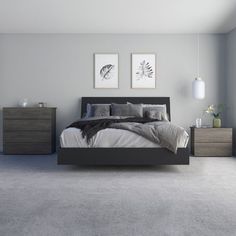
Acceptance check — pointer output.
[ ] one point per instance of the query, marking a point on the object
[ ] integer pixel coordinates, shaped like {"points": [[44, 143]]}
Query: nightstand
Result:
{"points": [[29, 130], [211, 141]]}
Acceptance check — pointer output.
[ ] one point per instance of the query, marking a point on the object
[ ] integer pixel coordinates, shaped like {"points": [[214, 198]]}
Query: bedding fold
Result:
{"points": [[160, 133], [90, 127], [166, 134]]}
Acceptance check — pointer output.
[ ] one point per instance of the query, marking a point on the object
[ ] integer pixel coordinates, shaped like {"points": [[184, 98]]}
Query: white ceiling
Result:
{"points": [[117, 16]]}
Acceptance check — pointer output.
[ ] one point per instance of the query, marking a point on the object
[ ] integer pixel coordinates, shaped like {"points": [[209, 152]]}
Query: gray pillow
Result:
{"points": [[127, 110], [154, 114], [97, 110], [158, 107]]}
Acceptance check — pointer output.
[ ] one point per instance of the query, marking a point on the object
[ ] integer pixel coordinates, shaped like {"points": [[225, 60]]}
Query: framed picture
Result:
{"points": [[106, 70], [143, 70]]}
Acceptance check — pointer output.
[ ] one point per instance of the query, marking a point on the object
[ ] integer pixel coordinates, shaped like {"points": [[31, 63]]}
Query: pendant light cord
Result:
{"points": [[198, 55]]}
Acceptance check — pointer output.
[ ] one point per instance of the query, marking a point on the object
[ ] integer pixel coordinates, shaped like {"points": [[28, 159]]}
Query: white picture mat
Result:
{"points": [[105, 59], [143, 83]]}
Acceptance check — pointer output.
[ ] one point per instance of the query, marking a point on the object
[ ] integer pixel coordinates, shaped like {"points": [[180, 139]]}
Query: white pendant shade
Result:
{"points": [[198, 88]]}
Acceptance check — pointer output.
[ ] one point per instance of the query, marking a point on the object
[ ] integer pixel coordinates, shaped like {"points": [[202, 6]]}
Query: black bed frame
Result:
{"points": [[123, 156]]}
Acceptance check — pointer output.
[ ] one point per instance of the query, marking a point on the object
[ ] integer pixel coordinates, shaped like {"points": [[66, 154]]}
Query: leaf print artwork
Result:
{"points": [[107, 71], [144, 71]]}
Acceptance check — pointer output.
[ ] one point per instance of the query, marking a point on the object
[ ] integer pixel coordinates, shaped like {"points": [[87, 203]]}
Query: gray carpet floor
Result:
{"points": [[37, 197]]}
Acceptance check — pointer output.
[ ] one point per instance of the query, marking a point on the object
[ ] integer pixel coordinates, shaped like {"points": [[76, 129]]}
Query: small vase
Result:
{"points": [[216, 122], [23, 102]]}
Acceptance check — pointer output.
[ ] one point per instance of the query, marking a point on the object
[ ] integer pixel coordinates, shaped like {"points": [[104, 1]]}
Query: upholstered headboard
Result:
{"points": [[122, 100]]}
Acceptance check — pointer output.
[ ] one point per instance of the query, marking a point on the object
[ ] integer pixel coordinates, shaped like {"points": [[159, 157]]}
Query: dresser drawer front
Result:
{"points": [[29, 130], [27, 113], [32, 125], [27, 148], [27, 136], [213, 149], [222, 135]]}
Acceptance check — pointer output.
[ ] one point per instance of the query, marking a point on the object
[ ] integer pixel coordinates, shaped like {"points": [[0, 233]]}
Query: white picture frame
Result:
{"points": [[106, 70], [143, 70]]}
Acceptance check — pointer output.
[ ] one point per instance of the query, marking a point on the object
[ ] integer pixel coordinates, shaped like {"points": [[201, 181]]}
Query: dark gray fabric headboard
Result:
{"points": [[122, 100]]}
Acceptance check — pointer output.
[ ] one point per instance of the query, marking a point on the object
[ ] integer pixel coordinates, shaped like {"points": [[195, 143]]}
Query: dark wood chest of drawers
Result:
{"points": [[29, 130], [211, 141]]}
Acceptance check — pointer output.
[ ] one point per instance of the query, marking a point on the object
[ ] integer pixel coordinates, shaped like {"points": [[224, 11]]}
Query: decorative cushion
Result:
{"points": [[156, 107], [127, 110], [98, 110], [154, 114]]}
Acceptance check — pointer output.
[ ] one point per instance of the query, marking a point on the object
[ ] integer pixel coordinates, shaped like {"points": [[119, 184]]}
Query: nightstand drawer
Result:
{"points": [[27, 137], [27, 113], [32, 125], [212, 135], [213, 149], [28, 148]]}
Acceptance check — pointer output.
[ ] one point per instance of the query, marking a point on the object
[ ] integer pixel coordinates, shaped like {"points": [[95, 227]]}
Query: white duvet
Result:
{"points": [[72, 137]]}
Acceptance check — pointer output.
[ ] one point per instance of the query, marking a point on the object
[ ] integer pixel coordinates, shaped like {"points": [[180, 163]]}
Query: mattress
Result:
{"points": [[116, 138]]}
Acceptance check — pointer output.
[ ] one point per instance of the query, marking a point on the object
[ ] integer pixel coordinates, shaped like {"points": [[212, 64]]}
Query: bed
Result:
{"points": [[153, 155]]}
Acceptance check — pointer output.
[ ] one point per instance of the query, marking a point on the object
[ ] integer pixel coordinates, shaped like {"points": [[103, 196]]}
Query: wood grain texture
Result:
{"points": [[27, 113], [28, 148], [32, 125], [27, 136], [29, 130], [211, 141], [213, 149], [213, 135]]}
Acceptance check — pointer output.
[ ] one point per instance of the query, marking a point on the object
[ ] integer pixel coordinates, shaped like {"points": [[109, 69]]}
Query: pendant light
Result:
{"points": [[198, 85]]}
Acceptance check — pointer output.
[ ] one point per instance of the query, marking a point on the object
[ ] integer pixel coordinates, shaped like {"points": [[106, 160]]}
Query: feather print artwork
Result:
{"points": [[107, 71], [144, 71]]}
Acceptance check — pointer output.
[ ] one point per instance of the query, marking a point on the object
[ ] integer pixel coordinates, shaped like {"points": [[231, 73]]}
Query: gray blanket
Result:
{"points": [[166, 134]]}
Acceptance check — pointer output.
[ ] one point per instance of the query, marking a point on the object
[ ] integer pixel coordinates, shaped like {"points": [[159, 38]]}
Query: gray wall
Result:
{"points": [[58, 69], [231, 81]]}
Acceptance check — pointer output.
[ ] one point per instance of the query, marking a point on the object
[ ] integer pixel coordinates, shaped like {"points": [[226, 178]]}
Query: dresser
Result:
{"points": [[211, 141], [29, 130]]}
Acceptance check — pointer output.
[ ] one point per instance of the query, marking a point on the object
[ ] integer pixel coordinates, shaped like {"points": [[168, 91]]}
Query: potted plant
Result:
{"points": [[215, 111]]}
